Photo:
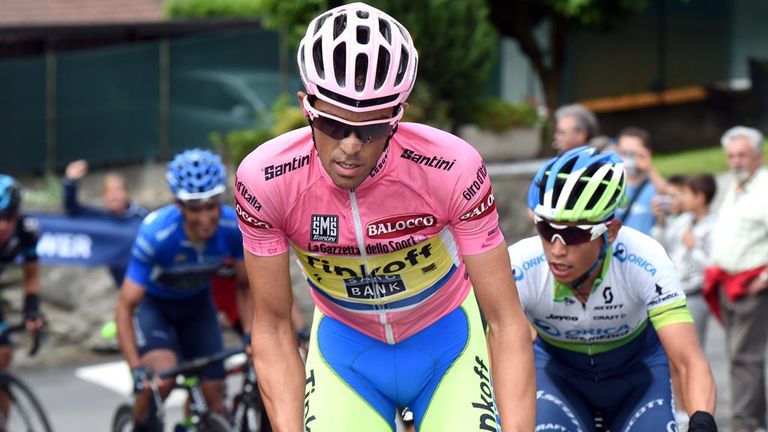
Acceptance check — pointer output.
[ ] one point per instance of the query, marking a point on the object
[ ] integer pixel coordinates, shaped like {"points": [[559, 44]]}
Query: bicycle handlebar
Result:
{"points": [[199, 363], [22, 326]]}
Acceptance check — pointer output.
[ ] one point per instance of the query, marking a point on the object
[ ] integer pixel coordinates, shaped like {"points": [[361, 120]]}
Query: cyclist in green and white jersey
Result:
{"points": [[607, 306]]}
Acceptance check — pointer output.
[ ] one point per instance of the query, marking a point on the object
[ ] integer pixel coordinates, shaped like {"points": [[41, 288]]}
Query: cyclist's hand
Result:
{"points": [[702, 421], [32, 316], [141, 378]]}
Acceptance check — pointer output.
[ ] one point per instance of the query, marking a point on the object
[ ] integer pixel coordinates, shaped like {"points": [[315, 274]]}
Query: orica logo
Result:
{"points": [[620, 253], [517, 272], [546, 327]]}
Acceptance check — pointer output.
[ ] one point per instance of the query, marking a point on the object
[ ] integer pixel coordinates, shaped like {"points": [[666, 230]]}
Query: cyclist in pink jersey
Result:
{"points": [[395, 228]]}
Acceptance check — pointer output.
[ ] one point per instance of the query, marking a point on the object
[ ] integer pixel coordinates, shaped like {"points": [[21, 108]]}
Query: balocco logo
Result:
{"points": [[250, 219], [482, 208], [400, 225]]}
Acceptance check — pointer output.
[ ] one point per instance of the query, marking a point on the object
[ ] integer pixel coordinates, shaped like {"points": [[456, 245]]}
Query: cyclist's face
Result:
{"points": [[201, 220], [569, 262], [348, 160], [7, 227]]}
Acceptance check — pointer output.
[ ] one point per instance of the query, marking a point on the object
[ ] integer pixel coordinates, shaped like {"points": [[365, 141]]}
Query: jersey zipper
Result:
{"points": [[382, 312]]}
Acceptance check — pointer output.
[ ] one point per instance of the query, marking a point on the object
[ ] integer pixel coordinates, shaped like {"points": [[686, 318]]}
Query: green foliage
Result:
{"points": [[290, 17], [239, 143], [457, 47], [185, 9], [498, 115], [598, 13], [710, 159]]}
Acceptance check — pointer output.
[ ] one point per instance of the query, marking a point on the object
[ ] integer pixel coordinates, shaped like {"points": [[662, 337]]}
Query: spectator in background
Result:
{"points": [[735, 285], [115, 196], [117, 204], [634, 146], [575, 125]]}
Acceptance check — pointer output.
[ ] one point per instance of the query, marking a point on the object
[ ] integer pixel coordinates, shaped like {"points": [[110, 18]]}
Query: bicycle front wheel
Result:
{"points": [[122, 420], [24, 412]]}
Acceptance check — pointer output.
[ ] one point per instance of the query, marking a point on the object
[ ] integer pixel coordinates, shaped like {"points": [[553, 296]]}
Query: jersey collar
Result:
{"points": [[561, 290]]}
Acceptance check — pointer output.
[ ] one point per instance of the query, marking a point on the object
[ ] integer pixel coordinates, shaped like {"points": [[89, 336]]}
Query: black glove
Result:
{"points": [[31, 307], [702, 421]]}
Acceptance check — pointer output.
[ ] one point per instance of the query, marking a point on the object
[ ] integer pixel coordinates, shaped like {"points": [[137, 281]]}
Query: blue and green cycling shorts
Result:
{"points": [[442, 373], [637, 398]]}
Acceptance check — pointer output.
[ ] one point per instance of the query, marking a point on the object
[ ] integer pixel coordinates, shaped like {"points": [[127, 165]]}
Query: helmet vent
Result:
{"points": [[382, 66], [362, 14], [320, 22], [339, 62], [385, 30], [361, 68], [339, 25], [402, 67], [317, 58], [363, 35]]}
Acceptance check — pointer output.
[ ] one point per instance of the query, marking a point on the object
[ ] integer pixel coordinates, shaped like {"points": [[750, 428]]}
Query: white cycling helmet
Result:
{"points": [[358, 58]]}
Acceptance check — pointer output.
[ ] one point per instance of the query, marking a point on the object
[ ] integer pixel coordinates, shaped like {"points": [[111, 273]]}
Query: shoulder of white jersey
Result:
{"points": [[525, 256], [640, 253]]}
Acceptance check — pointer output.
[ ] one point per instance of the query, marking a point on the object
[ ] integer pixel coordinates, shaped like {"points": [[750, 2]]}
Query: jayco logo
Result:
{"points": [[325, 228]]}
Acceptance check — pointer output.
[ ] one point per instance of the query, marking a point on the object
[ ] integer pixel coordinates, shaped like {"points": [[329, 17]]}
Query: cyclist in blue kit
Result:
{"points": [[607, 308], [165, 312]]}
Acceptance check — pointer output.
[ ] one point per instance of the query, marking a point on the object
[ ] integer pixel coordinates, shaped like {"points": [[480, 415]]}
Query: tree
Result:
{"points": [[456, 43], [518, 19]]}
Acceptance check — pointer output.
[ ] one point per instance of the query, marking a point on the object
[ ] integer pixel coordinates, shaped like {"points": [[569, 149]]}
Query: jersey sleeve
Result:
{"points": [[143, 254], [30, 234], [474, 219], [259, 210], [663, 293], [517, 259]]}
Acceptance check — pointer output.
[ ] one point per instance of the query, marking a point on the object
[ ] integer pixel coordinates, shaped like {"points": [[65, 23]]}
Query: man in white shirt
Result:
{"points": [[736, 283]]}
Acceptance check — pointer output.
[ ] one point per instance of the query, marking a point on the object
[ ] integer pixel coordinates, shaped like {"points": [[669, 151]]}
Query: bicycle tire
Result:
{"points": [[25, 413], [213, 422], [122, 420]]}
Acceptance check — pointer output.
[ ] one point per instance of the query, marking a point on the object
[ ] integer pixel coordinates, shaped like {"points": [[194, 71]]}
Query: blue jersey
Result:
{"points": [[168, 265]]}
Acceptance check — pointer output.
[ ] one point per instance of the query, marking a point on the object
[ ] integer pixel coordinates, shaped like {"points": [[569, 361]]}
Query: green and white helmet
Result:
{"points": [[580, 185]]}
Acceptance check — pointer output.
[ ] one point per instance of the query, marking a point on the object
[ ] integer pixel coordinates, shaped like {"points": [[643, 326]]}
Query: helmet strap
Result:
{"points": [[583, 278]]}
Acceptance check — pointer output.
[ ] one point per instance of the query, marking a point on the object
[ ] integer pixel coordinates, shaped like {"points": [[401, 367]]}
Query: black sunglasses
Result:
{"points": [[339, 129]]}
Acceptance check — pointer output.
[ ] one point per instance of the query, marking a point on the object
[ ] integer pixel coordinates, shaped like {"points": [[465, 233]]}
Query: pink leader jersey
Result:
{"points": [[384, 258]]}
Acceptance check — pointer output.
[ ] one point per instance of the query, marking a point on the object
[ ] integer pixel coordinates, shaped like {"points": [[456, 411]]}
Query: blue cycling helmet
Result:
{"points": [[196, 175], [580, 185], [10, 195]]}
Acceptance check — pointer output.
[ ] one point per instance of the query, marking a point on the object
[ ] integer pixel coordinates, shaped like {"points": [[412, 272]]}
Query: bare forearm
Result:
{"points": [[514, 386], [125, 335], [699, 391], [281, 376]]}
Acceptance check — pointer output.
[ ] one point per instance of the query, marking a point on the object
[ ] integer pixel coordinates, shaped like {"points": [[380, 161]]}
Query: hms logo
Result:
{"points": [[482, 208], [400, 225], [325, 228]]}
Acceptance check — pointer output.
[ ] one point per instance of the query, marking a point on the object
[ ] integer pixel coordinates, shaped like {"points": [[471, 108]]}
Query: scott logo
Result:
{"points": [[482, 208], [400, 225], [249, 218]]}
